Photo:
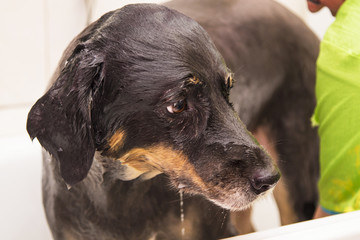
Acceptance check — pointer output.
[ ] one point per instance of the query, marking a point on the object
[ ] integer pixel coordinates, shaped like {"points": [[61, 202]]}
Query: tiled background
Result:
{"points": [[32, 37]]}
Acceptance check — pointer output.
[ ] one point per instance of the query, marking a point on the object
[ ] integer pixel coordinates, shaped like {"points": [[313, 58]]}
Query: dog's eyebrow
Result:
{"points": [[229, 80], [182, 90], [194, 81]]}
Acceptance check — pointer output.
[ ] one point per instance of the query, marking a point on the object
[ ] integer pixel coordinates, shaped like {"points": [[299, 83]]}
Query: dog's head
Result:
{"points": [[145, 88]]}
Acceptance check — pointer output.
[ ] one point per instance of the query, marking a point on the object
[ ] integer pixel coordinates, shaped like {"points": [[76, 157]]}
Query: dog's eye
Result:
{"points": [[177, 107]]}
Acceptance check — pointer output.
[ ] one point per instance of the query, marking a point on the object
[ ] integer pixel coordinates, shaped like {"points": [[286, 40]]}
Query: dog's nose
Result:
{"points": [[262, 182]]}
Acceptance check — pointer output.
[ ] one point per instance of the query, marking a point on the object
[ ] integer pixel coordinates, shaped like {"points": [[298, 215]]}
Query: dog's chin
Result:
{"points": [[233, 200], [236, 201]]}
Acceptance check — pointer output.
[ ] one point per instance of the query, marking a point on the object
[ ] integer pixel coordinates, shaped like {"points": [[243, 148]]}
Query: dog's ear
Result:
{"points": [[61, 119]]}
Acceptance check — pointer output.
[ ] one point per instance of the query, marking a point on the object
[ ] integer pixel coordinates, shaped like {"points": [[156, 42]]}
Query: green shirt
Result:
{"points": [[338, 111]]}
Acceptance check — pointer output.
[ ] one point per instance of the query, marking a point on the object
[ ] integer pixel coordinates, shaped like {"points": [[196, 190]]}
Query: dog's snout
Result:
{"points": [[264, 181]]}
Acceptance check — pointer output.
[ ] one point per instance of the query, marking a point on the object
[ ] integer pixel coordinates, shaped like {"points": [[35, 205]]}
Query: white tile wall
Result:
{"points": [[22, 51]]}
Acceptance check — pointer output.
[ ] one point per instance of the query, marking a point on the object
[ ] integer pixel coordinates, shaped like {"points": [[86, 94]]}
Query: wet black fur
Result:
{"points": [[121, 73]]}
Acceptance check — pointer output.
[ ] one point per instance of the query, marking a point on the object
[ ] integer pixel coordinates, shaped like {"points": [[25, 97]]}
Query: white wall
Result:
{"points": [[318, 22], [32, 38]]}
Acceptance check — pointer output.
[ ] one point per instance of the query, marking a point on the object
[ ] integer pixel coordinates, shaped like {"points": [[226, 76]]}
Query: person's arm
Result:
{"points": [[319, 213]]}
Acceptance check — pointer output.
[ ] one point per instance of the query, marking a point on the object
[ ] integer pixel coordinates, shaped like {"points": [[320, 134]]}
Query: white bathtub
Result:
{"points": [[344, 226], [21, 211]]}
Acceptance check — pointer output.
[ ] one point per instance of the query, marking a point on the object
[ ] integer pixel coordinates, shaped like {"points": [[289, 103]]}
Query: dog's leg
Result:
{"points": [[241, 220], [281, 194]]}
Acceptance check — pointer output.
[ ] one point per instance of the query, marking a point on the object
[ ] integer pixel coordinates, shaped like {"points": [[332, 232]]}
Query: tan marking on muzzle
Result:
{"points": [[117, 140], [161, 159]]}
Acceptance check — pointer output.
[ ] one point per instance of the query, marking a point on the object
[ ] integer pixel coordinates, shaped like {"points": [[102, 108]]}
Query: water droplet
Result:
{"points": [[182, 216], [181, 186]]}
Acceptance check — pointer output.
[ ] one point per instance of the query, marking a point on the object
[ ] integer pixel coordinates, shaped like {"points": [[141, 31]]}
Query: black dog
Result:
{"points": [[273, 55], [141, 92]]}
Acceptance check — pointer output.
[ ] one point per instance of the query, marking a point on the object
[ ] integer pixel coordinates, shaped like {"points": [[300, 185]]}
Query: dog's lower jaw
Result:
{"points": [[233, 200], [232, 205], [238, 199]]}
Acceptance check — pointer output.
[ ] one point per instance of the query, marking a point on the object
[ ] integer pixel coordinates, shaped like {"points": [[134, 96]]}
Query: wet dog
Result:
{"points": [[138, 110]]}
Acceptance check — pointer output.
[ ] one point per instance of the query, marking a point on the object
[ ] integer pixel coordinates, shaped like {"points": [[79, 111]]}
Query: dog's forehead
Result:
{"points": [[150, 48], [151, 18], [146, 22], [150, 33]]}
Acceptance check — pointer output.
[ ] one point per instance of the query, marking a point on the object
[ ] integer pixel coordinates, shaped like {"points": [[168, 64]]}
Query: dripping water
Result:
{"points": [[182, 214], [224, 213]]}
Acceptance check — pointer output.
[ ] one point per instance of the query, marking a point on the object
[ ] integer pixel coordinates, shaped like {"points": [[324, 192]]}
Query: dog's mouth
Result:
{"points": [[235, 196], [235, 199]]}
